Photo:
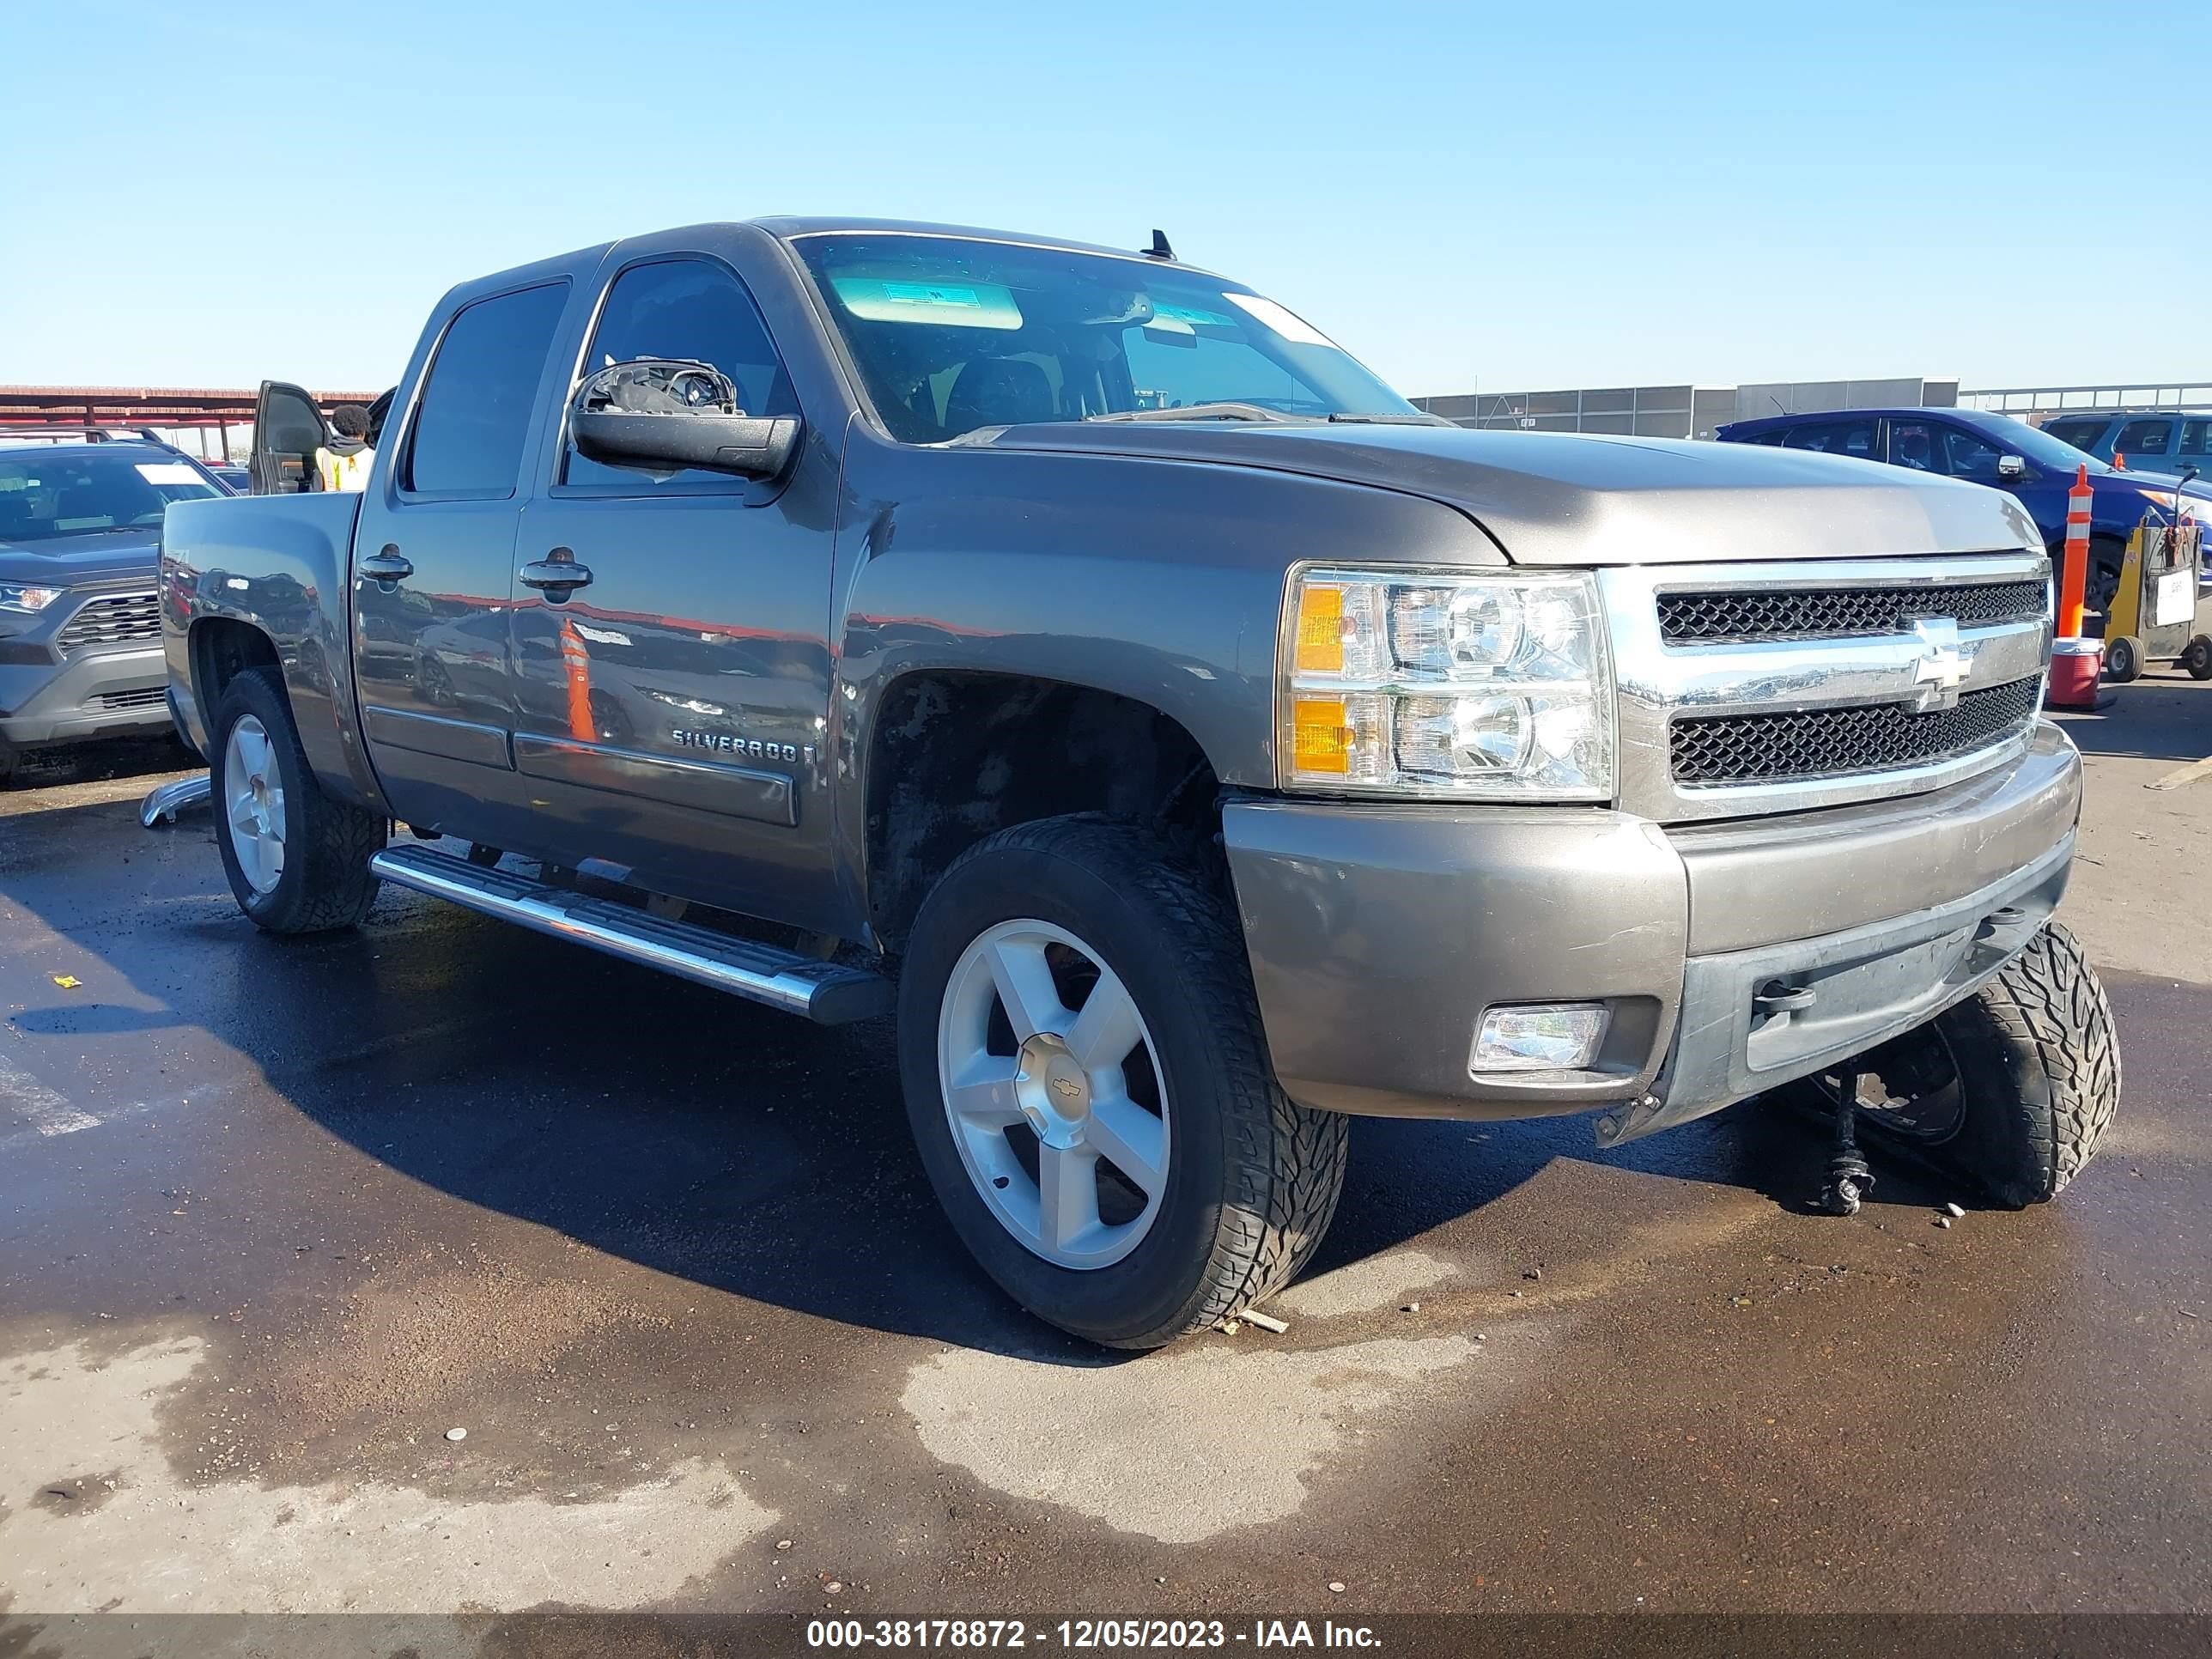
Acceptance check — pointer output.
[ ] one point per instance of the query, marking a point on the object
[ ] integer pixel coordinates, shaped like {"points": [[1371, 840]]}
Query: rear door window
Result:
{"points": [[2195, 439], [1916, 445], [1854, 437], [477, 397], [2144, 438]]}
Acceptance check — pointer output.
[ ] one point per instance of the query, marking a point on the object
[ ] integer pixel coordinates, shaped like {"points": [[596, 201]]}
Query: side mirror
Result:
{"points": [[662, 414], [2012, 468]]}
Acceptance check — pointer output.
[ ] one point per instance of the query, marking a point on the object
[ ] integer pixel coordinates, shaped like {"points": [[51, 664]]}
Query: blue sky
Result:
{"points": [[1511, 195]]}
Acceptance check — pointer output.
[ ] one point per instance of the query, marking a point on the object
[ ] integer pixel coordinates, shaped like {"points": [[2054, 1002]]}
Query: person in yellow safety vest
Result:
{"points": [[343, 462]]}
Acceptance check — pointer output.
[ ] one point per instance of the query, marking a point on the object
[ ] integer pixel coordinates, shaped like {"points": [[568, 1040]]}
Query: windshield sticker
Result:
{"points": [[171, 472], [954, 305], [1287, 324], [1191, 316]]}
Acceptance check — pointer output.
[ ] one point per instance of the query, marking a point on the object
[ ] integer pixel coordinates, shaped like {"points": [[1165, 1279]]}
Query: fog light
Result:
{"points": [[1560, 1036]]}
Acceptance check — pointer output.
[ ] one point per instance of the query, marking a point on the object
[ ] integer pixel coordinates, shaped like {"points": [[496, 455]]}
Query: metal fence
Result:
{"points": [[2040, 402], [1678, 411]]}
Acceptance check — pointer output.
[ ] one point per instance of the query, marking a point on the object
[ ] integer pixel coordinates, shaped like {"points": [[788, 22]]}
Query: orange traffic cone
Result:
{"points": [[578, 662], [2077, 664]]}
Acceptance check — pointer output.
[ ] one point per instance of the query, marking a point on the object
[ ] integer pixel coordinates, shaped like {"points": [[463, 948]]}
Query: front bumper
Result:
{"points": [[1379, 935], [90, 694]]}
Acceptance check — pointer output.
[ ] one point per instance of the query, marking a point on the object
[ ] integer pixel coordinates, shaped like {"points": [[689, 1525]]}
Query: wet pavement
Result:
{"points": [[276, 1215]]}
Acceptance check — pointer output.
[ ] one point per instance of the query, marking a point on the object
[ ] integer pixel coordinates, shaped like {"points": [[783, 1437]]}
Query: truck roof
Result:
{"points": [[790, 228]]}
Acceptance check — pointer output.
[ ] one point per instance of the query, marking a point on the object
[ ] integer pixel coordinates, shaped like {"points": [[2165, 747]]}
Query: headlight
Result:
{"points": [[1435, 683], [16, 596]]}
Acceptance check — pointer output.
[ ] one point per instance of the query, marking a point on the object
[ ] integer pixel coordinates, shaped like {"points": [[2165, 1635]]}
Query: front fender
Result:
{"points": [[1158, 582]]}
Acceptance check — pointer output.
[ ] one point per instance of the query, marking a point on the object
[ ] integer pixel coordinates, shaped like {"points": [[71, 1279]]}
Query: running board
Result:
{"points": [[165, 803], [824, 992]]}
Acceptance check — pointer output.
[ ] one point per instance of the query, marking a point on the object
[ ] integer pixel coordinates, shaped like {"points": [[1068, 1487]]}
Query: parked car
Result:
{"points": [[2035, 468], [236, 479], [2168, 441], [1079, 655], [80, 631]]}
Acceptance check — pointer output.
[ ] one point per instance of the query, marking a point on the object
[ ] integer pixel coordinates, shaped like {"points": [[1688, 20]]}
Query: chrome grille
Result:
{"points": [[1730, 619], [1779, 687], [1828, 742], [113, 619]]}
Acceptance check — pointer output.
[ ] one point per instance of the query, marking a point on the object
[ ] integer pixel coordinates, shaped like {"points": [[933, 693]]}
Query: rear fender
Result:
{"points": [[279, 566]]}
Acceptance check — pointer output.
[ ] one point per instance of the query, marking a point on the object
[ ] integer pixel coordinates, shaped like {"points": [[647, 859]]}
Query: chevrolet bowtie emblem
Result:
{"points": [[1942, 667]]}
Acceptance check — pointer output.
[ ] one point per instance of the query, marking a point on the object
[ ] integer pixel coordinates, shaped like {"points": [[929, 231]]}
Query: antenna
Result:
{"points": [[1159, 249]]}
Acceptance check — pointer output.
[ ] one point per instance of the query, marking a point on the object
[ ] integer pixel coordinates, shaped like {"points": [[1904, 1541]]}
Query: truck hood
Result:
{"points": [[83, 561], [1552, 498]]}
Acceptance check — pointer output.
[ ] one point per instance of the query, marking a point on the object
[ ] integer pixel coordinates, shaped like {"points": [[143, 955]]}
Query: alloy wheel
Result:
{"points": [[253, 804], [1053, 1088]]}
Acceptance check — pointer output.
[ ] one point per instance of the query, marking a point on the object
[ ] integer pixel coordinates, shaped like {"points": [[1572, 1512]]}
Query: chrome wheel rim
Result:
{"points": [[1053, 1093], [253, 804]]}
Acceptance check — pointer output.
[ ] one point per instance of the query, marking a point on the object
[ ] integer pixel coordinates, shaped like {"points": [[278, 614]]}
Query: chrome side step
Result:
{"points": [[824, 992], [165, 803]]}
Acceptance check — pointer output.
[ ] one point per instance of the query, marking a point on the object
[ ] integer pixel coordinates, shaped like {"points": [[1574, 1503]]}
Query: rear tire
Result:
{"points": [[314, 876], [2197, 657], [1251, 1180], [2108, 555], [2036, 1065]]}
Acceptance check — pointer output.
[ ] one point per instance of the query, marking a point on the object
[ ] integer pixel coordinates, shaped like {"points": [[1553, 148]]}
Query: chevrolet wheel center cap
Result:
{"points": [[1053, 1090]]}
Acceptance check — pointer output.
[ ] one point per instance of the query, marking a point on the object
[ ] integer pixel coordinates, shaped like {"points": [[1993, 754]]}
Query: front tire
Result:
{"points": [[1089, 1087], [2010, 1090], [296, 860], [2124, 659]]}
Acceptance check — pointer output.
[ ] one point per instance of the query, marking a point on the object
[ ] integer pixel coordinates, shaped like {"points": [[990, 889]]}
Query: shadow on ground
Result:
{"points": [[656, 1121], [2163, 716]]}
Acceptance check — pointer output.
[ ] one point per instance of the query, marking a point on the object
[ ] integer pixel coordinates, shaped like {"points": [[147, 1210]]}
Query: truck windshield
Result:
{"points": [[951, 335], [46, 493]]}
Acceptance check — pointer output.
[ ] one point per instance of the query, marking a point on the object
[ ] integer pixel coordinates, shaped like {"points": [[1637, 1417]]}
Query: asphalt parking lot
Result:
{"points": [[276, 1215]]}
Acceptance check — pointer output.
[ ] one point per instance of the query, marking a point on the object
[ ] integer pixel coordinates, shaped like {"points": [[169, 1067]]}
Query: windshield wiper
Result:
{"points": [[1222, 411]]}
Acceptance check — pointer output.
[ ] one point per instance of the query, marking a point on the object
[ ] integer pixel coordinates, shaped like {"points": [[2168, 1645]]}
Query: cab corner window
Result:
{"points": [[696, 311], [477, 400]]}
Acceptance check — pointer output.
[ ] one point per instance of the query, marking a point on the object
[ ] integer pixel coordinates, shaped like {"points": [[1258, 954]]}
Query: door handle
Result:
{"points": [[384, 565], [558, 572]]}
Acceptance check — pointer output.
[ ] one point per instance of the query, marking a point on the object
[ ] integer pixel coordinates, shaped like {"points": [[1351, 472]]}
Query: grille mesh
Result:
{"points": [[1828, 613], [113, 619], [1828, 742]]}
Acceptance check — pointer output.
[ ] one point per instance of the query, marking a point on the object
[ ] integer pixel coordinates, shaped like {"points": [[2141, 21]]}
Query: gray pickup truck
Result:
{"points": [[1079, 657]]}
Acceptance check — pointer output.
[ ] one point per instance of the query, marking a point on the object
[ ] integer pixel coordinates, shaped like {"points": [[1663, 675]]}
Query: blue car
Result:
{"points": [[2166, 440], [2004, 453]]}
